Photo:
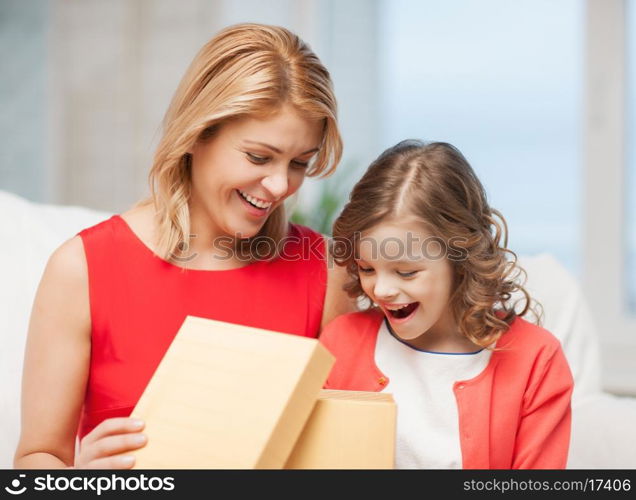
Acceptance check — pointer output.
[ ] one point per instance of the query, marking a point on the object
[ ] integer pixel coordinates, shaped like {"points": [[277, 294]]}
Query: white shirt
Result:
{"points": [[422, 385]]}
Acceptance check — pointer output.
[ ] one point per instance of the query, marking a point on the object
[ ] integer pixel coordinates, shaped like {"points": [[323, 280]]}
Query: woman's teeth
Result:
{"points": [[257, 203]]}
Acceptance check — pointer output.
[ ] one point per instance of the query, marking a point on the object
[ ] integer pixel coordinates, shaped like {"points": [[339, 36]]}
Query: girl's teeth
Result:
{"points": [[397, 308], [403, 312]]}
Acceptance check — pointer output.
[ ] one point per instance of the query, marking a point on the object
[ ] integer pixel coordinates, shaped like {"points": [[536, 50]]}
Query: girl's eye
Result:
{"points": [[259, 160], [365, 270], [407, 275]]}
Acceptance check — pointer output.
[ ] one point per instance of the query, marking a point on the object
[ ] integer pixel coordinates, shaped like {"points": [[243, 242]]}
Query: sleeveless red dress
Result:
{"points": [[138, 301]]}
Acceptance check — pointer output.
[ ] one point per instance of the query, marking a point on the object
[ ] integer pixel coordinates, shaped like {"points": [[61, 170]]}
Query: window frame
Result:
{"points": [[604, 210]]}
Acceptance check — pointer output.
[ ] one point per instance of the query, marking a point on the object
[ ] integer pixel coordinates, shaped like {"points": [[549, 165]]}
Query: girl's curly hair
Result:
{"points": [[435, 185]]}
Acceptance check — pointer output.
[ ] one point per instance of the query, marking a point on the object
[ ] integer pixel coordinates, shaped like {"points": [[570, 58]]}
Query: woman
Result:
{"points": [[254, 114]]}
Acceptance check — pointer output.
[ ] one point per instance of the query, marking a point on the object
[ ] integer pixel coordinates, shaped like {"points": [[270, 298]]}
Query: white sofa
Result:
{"points": [[603, 434]]}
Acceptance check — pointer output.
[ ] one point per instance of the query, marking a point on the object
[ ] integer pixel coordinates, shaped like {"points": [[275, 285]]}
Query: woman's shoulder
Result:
{"points": [[98, 227], [141, 219], [66, 268], [303, 244], [70, 258], [138, 221]]}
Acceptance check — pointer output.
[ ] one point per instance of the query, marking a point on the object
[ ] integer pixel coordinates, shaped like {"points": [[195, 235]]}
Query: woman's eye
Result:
{"points": [[407, 274], [365, 270], [300, 164], [259, 160]]}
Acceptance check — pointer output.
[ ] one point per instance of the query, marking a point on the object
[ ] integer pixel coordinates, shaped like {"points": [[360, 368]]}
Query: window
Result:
{"points": [[23, 133], [454, 72]]}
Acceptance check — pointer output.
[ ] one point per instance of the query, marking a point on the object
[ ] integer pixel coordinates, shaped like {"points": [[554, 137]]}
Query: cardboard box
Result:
{"points": [[348, 430], [229, 396]]}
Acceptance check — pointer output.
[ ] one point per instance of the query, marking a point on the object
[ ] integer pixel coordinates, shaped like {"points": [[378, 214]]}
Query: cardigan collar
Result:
{"points": [[380, 380]]}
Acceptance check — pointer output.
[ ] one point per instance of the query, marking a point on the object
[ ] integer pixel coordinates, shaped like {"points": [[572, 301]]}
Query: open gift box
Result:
{"points": [[227, 396]]}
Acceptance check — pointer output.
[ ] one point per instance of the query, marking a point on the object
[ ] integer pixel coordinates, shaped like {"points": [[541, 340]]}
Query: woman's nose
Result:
{"points": [[276, 184]]}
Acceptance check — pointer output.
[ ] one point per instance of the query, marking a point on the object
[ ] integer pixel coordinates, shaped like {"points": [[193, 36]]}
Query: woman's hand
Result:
{"points": [[108, 445]]}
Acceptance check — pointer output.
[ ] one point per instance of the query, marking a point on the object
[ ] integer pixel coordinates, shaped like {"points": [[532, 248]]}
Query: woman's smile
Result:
{"points": [[253, 206]]}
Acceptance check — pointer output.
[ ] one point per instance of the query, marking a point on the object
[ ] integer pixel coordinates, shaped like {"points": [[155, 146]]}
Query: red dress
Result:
{"points": [[138, 301]]}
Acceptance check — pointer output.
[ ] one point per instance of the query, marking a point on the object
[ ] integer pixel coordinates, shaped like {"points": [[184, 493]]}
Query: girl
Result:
{"points": [[476, 385], [253, 116]]}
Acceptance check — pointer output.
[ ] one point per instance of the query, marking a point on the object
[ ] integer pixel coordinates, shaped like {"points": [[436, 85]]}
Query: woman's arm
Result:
{"points": [[56, 362], [337, 302], [55, 373]]}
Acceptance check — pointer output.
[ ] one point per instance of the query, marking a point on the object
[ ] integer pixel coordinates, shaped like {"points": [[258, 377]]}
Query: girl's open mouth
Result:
{"points": [[404, 312]]}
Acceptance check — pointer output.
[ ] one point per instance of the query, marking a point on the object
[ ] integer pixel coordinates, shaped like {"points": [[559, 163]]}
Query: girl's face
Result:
{"points": [[248, 168], [405, 272]]}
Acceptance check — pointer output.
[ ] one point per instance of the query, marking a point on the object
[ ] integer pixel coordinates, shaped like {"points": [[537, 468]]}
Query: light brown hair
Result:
{"points": [[245, 70], [435, 185]]}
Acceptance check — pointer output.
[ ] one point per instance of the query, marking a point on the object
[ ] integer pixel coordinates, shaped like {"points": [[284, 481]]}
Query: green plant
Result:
{"points": [[333, 194]]}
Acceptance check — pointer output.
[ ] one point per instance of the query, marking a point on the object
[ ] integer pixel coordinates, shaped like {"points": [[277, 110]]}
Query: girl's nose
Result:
{"points": [[384, 290]]}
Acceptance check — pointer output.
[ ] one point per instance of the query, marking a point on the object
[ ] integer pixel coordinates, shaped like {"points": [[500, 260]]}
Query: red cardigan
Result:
{"points": [[513, 415]]}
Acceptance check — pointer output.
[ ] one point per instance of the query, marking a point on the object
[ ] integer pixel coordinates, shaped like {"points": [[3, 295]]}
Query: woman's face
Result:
{"points": [[248, 168]]}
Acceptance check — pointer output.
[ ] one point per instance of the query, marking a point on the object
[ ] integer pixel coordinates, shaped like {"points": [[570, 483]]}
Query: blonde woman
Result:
{"points": [[253, 116]]}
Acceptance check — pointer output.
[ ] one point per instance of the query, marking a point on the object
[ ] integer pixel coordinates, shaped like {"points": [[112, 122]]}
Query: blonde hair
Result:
{"points": [[245, 70], [433, 183]]}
